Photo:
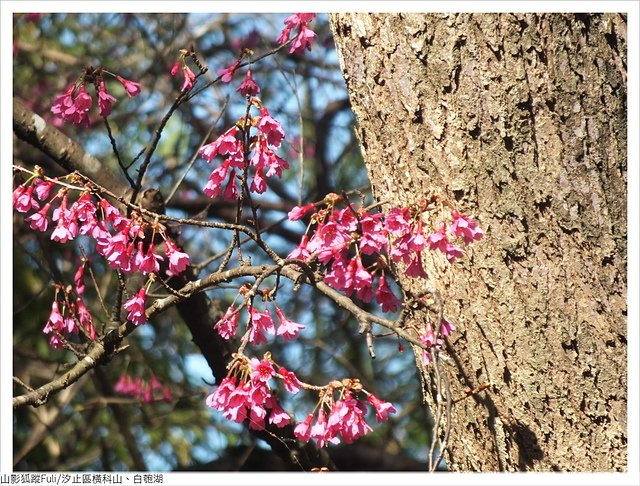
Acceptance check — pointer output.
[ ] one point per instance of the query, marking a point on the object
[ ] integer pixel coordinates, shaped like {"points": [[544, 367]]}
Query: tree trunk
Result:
{"points": [[521, 121]]}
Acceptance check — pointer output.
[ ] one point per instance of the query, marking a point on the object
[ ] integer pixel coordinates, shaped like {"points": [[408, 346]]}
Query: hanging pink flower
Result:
{"points": [[248, 87], [299, 211], [289, 380], [303, 430], [382, 408], [40, 220], [178, 260], [104, 100], [465, 228], [131, 87], [227, 73], [189, 78], [287, 327], [135, 306]]}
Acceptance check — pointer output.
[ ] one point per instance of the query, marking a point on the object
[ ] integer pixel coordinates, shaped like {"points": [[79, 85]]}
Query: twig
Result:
{"points": [[116, 152], [195, 155]]}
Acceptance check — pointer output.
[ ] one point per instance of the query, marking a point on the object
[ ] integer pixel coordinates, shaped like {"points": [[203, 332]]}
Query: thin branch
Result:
{"points": [[114, 145], [195, 154]]}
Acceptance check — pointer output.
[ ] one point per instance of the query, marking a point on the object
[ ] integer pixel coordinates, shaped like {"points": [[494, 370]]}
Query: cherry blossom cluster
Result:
{"points": [[341, 416], [188, 75], [122, 241], [431, 338], [245, 395], [69, 314], [242, 150], [260, 324], [343, 239], [143, 390], [127, 244], [247, 154], [303, 36], [74, 104]]}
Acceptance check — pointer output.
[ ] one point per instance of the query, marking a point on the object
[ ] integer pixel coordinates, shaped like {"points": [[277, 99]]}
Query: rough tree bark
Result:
{"points": [[521, 121]]}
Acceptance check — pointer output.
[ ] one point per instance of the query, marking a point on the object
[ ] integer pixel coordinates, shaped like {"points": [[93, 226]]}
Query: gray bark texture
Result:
{"points": [[520, 121]]}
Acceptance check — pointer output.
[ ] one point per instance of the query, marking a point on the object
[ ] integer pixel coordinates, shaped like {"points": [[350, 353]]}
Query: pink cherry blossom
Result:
{"points": [[146, 261], [339, 277], [56, 341], [283, 37], [23, 199], [446, 327], [135, 306], [303, 430], [142, 390], [55, 321], [78, 112], [125, 385], [219, 398], [261, 370], [189, 78], [63, 103], [322, 432], [258, 184], [43, 188], [83, 208], [266, 159], [429, 339], [296, 20], [228, 324], [113, 215], [382, 408], [415, 268], [178, 260], [347, 419], [175, 68], [104, 100], [70, 325], [67, 226], [438, 240], [86, 321], [303, 40], [289, 380], [374, 237], [261, 322], [78, 279], [452, 252], [131, 87], [277, 416], [227, 73], [117, 249], [465, 228], [271, 128], [39, 221], [385, 296], [227, 143], [304, 36], [248, 87], [299, 211], [300, 251], [287, 327], [397, 221], [231, 189], [329, 241]]}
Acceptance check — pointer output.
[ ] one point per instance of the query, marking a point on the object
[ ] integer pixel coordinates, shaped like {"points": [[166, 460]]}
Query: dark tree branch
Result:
{"points": [[67, 153]]}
